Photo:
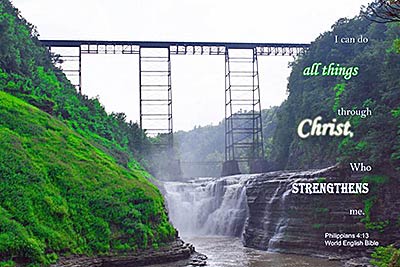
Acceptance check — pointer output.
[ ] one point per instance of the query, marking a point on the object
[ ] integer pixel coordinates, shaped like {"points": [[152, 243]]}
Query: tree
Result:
{"points": [[382, 11]]}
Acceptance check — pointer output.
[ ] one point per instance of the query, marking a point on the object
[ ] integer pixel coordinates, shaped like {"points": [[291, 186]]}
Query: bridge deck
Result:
{"points": [[165, 44]]}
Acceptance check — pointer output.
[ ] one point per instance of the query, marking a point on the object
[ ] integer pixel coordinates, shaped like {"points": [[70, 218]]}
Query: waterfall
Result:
{"points": [[258, 207], [208, 206], [219, 206], [278, 234], [261, 209]]}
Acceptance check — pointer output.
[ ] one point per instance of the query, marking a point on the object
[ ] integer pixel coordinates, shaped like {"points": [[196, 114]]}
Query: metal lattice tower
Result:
{"points": [[156, 93], [243, 125]]}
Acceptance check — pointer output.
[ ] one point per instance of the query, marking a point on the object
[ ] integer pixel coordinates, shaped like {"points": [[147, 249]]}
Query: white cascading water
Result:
{"points": [[219, 206], [208, 206], [282, 224]]}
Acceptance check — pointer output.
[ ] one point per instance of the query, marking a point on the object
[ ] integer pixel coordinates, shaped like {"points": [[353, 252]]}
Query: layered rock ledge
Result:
{"points": [[297, 223], [173, 251]]}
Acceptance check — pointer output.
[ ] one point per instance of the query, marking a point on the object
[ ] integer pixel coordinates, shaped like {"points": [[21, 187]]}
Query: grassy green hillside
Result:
{"points": [[69, 179], [59, 193], [27, 71]]}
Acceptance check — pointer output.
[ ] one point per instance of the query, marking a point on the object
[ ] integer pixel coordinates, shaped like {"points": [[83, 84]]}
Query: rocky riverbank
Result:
{"points": [[174, 251]]}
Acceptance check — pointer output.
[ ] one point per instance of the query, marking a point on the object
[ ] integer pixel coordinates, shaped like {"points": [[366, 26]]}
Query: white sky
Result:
{"points": [[197, 81]]}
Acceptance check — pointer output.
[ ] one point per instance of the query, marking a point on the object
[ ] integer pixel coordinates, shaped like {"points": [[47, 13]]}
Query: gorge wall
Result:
{"points": [[262, 210]]}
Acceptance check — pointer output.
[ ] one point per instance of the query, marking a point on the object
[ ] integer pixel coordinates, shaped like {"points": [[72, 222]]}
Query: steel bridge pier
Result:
{"points": [[155, 94], [243, 123]]}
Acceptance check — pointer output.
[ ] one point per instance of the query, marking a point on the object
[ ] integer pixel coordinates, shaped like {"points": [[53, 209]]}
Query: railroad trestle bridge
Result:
{"points": [[243, 122]]}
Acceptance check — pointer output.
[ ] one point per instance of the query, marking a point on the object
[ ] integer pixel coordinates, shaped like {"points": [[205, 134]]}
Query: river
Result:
{"points": [[229, 252]]}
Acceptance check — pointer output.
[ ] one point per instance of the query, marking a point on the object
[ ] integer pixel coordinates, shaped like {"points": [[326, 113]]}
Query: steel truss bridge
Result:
{"points": [[243, 123]]}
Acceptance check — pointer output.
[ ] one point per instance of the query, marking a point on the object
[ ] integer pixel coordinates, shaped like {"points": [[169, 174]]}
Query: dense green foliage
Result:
{"points": [[386, 257], [59, 193], [68, 181], [377, 87]]}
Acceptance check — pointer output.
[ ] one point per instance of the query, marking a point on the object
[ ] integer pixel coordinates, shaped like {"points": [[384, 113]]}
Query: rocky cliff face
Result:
{"points": [[262, 209], [297, 223]]}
